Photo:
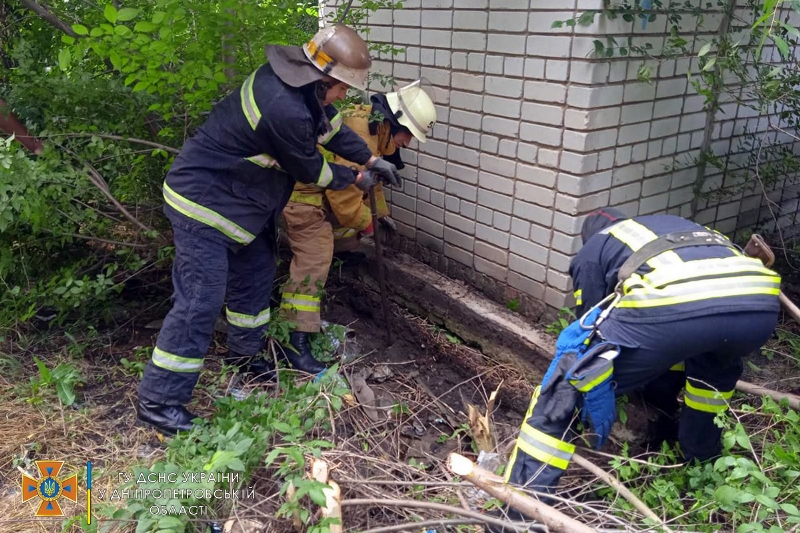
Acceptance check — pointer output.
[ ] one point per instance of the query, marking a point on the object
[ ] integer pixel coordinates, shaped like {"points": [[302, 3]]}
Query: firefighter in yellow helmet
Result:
{"points": [[224, 194], [321, 221]]}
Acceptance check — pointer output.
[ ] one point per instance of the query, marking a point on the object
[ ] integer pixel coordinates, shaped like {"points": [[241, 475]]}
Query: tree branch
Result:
{"points": [[128, 139], [50, 18]]}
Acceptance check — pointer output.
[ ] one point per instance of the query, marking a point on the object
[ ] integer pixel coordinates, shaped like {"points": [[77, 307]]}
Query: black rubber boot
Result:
{"points": [[168, 419], [260, 368], [299, 354]]}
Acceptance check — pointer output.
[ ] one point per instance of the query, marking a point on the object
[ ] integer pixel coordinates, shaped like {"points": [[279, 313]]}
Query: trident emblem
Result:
{"points": [[49, 488]]}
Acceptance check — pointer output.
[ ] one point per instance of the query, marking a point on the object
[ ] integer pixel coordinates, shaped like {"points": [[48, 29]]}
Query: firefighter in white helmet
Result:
{"points": [[321, 222]]}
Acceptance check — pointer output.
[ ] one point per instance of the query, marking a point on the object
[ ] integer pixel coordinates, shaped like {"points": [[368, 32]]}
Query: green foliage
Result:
{"points": [[64, 378], [754, 484], [513, 305], [565, 317], [279, 433], [324, 344]]}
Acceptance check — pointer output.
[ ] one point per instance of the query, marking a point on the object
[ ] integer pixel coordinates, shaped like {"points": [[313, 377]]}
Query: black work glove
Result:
{"points": [[386, 171], [367, 181], [558, 398]]}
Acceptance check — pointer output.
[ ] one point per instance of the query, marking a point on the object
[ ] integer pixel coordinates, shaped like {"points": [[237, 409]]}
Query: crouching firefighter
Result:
{"points": [[654, 292], [320, 222], [223, 195]]}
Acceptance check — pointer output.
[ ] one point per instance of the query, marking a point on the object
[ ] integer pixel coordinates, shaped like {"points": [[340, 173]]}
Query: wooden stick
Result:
{"points": [[789, 307], [757, 390], [530, 507], [621, 489]]}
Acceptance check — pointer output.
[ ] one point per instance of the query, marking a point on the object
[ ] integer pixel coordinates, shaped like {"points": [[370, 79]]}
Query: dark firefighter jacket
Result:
{"points": [[683, 283], [234, 177]]}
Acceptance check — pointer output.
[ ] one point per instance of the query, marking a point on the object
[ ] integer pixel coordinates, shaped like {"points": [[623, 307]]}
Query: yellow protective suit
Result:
{"points": [[321, 221]]}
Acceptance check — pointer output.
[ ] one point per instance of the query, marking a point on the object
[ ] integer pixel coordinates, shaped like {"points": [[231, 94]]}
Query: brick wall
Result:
{"points": [[533, 132]]}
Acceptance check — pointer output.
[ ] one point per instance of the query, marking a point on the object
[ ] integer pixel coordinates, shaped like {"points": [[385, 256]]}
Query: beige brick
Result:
{"points": [[526, 285], [547, 135], [532, 212], [429, 226], [492, 236], [459, 223], [490, 269], [537, 195], [559, 280], [462, 256], [496, 201], [544, 177], [539, 113], [462, 173], [581, 185], [528, 250], [496, 183], [527, 268], [578, 163], [544, 92]]}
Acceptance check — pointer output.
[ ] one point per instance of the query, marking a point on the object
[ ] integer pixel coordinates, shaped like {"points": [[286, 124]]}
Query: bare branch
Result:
{"points": [[49, 17]]}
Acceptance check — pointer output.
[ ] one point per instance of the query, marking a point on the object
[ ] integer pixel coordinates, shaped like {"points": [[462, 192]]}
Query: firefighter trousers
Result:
{"points": [[310, 235], [205, 274], [710, 347]]}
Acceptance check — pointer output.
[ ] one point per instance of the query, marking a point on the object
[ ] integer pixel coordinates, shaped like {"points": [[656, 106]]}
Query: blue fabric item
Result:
{"points": [[646, 4], [600, 408], [571, 340]]}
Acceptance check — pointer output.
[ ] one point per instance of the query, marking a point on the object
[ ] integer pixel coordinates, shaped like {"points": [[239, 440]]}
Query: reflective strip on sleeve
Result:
{"points": [[680, 367], [706, 289], [176, 363], [545, 448], [249, 107], [307, 198], [708, 401], [264, 161], [336, 125], [243, 320], [578, 295], [325, 175], [206, 216], [293, 301], [594, 377]]}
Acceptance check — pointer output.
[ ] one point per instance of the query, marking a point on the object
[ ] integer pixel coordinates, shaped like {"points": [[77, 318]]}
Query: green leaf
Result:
{"points": [[96, 32], [68, 39], [127, 13], [557, 24], [44, 372], [110, 13], [80, 29], [65, 393], [790, 508], [705, 49], [710, 64], [726, 496], [64, 58], [144, 26], [158, 17], [766, 501], [782, 45]]}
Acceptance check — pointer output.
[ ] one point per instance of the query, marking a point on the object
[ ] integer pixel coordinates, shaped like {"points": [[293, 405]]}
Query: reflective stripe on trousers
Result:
{"points": [[244, 320], [706, 400]]}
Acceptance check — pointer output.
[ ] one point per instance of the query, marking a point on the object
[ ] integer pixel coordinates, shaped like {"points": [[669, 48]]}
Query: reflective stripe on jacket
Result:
{"points": [[232, 179], [686, 282]]}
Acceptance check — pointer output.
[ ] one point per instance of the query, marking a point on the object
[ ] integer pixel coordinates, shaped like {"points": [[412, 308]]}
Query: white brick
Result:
{"points": [[468, 209], [583, 185], [626, 193], [484, 215], [668, 108], [507, 21], [597, 96], [529, 269], [462, 174], [534, 68], [430, 179], [494, 64], [537, 195], [436, 38], [664, 127], [467, 101], [459, 239], [580, 141], [436, 76], [501, 221], [406, 36], [547, 158], [498, 165], [533, 213], [632, 113], [514, 66], [465, 119], [436, 19], [430, 211], [673, 87], [544, 92], [633, 133], [508, 148], [455, 135], [658, 166], [578, 163], [407, 17], [495, 201], [653, 204], [500, 126], [623, 155], [548, 46], [543, 177], [527, 152], [476, 62], [656, 185], [465, 40], [491, 235], [590, 119], [509, 87], [433, 164], [489, 144], [459, 223], [507, 44], [528, 250], [574, 206], [470, 20], [520, 228], [557, 70], [589, 73], [463, 155], [468, 82], [685, 195], [567, 224], [542, 113], [539, 134], [694, 122], [639, 92], [459, 60], [505, 107]]}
